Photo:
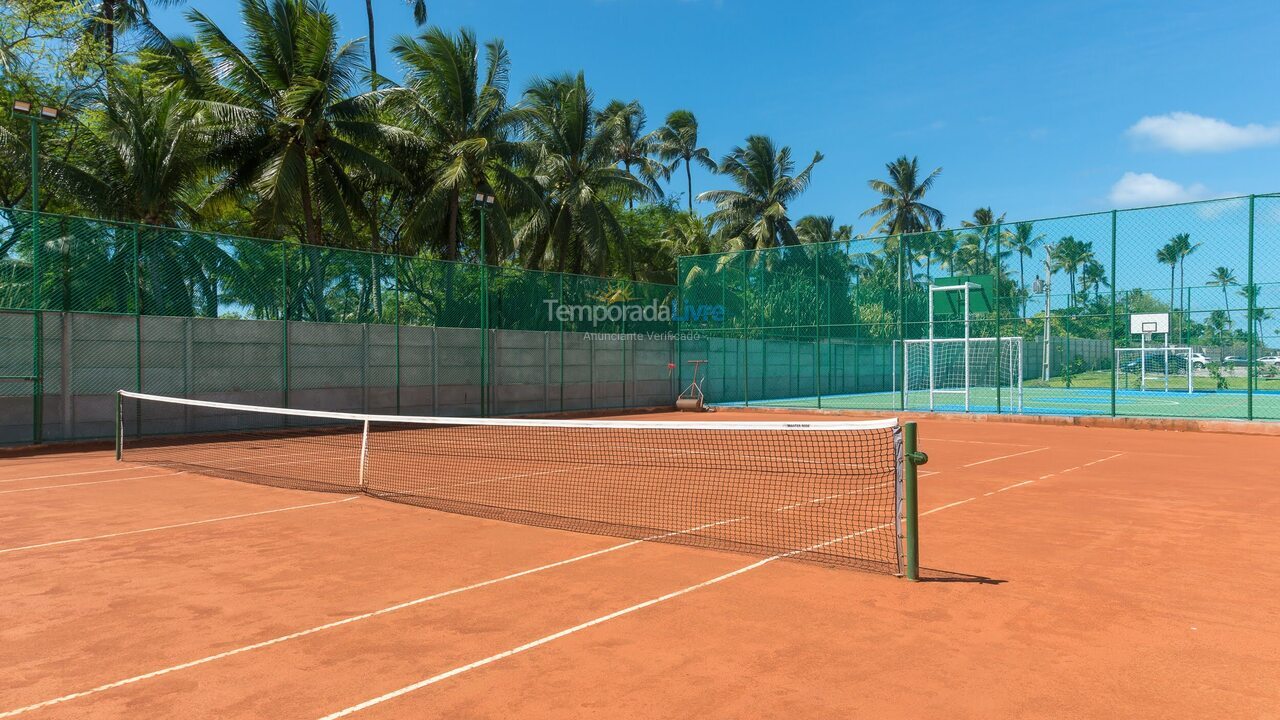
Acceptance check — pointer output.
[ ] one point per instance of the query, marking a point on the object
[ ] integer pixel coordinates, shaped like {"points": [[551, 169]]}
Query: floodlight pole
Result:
{"points": [[483, 202], [1048, 296], [34, 118]]}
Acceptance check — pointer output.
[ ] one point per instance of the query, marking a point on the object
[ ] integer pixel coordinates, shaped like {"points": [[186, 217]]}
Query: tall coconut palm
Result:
{"points": [[1023, 241], [287, 128], [902, 210], [1224, 277], [1093, 276], [1070, 256], [1168, 255], [943, 248], [755, 214], [1183, 246], [145, 155], [455, 106], [677, 141], [108, 19], [632, 148], [573, 168]]}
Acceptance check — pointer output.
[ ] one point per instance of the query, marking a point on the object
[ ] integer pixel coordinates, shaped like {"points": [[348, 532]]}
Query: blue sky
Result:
{"points": [[1035, 108]]}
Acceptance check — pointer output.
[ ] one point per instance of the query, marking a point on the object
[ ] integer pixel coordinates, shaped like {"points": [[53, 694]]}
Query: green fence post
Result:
{"points": [[912, 459], [817, 337], [398, 271], [284, 325], [560, 323], [999, 342], [1114, 369], [902, 327], [137, 326], [1252, 295], [37, 315]]}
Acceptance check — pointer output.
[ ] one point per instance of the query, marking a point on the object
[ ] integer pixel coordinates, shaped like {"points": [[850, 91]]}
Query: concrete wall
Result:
{"points": [[330, 366]]}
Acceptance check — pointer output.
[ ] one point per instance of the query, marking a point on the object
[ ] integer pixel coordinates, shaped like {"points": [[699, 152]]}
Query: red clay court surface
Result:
{"points": [[1089, 572]]}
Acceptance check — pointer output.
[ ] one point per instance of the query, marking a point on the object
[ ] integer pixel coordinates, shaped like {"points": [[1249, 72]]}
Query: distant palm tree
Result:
{"points": [[1168, 255], [1224, 277], [1023, 241], [755, 214], [454, 102], [573, 167], [986, 227], [1070, 256], [1183, 246], [677, 141], [816, 229], [1093, 276], [943, 248], [901, 209], [624, 122]]}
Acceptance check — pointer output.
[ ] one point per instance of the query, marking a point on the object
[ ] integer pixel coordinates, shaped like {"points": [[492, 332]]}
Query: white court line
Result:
{"points": [[344, 621], [977, 442], [1004, 457], [91, 482], [86, 472], [171, 527], [597, 621]]}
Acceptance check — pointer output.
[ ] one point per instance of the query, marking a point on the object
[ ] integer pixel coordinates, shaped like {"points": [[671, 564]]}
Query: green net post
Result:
{"points": [[1252, 296], [1114, 369], [912, 459], [119, 426]]}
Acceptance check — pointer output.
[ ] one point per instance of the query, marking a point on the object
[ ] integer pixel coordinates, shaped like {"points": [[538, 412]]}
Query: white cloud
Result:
{"points": [[1136, 189], [1187, 132]]}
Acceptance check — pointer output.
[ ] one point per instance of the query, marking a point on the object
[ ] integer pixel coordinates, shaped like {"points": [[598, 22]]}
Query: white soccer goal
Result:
{"points": [[989, 369], [1164, 368], [985, 372]]}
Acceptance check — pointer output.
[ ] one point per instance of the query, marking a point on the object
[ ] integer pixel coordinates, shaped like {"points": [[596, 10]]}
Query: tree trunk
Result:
{"points": [[109, 26], [373, 50], [311, 228], [688, 176], [451, 246]]}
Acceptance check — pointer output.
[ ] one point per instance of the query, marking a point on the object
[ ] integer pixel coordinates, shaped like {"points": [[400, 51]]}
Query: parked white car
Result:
{"points": [[1269, 360], [1199, 360]]}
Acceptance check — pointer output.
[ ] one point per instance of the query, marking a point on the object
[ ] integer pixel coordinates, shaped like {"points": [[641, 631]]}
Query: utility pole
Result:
{"points": [[1046, 286]]}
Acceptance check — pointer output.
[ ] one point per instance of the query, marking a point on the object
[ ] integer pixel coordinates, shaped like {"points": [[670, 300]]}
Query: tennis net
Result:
{"points": [[830, 492]]}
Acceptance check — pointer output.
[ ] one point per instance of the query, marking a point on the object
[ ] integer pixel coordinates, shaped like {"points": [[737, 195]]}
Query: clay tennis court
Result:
{"points": [[1072, 572]]}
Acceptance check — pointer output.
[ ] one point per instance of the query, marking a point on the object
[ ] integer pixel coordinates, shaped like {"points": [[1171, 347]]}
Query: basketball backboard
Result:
{"points": [[1148, 323]]}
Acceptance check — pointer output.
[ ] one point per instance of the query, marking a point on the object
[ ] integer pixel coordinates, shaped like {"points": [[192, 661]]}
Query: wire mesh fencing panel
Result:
{"points": [[1066, 286]]}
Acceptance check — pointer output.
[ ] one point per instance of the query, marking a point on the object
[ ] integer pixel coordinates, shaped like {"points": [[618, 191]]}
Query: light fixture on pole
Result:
{"points": [[484, 202], [46, 114]]}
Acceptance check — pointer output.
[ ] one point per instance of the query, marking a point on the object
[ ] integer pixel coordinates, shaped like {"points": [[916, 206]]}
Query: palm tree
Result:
{"points": [[1182, 245], [624, 123], [1070, 255], [109, 18], [902, 209], [1168, 255], [457, 110], [574, 170], [1093, 276], [1023, 242], [1224, 277], [145, 155], [287, 130], [943, 247], [677, 141], [419, 19], [755, 215], [987, 226]]}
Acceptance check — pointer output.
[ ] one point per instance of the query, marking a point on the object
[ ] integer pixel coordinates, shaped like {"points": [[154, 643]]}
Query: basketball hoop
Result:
{"points": [[1146, 337]]}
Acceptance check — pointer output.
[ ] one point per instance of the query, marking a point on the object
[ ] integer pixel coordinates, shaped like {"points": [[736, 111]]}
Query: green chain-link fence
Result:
{"points": [[824, 325], [88, 307]]}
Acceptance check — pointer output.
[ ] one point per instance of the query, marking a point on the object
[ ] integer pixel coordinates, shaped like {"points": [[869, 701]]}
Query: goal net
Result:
{"points": [[983, 374], [1165, 369]]}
